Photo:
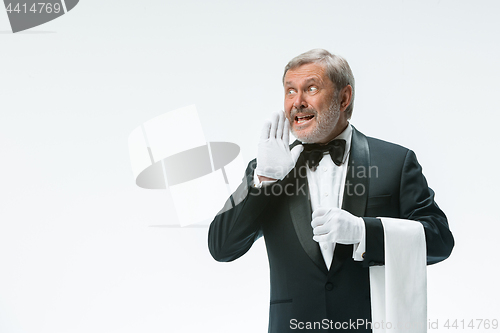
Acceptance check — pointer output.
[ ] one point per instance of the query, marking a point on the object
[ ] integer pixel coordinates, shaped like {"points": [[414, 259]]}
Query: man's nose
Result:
{"points": [[299, 101]]}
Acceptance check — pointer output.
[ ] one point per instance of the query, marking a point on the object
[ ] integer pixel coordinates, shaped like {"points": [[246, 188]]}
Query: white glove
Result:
{"points": [[274, 158], [334, 225]]}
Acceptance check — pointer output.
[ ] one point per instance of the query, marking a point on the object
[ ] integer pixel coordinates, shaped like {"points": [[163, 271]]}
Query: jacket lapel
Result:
{"points": [[357, 181], [354, 201]]}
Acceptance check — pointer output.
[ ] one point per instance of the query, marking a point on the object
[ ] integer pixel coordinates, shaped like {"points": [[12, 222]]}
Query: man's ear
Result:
{"points": [[345, 97]]}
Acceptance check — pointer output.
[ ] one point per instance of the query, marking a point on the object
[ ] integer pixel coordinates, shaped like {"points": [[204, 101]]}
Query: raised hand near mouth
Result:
{"points": [[274, 157]]}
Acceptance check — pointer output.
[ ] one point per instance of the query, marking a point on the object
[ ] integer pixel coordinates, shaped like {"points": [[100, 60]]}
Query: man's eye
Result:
{"points": [[290, 92], [313, 89]]}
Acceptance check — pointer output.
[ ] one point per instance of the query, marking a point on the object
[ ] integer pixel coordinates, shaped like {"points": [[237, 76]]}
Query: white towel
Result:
{"points": [[399, 288]]}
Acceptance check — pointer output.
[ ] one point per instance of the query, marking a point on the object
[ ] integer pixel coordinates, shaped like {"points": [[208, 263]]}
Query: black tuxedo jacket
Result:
{"points": [[383, 180]]}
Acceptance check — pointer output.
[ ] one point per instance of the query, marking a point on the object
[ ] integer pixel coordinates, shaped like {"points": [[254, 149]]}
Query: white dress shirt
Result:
{"points": [[326, 189]]}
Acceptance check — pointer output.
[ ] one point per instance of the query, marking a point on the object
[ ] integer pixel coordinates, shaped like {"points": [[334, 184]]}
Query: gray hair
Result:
{"points": [[336, 67]]}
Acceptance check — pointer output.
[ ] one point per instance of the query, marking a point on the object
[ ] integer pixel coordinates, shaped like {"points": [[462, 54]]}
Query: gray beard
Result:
{"points": [[325, 122]]}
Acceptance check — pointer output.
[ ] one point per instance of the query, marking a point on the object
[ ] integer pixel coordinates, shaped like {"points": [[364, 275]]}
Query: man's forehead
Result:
{"points": [[308, 73]]}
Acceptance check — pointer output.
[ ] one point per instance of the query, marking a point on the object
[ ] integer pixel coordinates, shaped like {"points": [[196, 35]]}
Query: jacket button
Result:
{"points": [[329, 286]]}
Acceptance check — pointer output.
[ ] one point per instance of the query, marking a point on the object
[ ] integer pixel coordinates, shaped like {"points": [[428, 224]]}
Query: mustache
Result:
{"points": [[294, 111]]}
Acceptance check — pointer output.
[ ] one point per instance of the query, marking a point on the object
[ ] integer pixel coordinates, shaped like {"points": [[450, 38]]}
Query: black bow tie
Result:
{"points": [[313, 152]]}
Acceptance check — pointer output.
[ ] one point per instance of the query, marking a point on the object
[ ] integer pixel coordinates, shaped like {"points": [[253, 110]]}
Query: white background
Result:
{"points": [[83, 249]]}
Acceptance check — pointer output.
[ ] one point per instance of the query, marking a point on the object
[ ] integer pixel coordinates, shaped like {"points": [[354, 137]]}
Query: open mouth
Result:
{"points": [[303, 119]]}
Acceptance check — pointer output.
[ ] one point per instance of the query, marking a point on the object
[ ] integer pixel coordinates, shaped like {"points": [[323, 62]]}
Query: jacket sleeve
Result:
{"points": [[238, 225], [416, 202]]}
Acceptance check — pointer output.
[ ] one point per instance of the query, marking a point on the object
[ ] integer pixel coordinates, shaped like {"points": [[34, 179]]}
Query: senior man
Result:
{"points": [[318, 202]]}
